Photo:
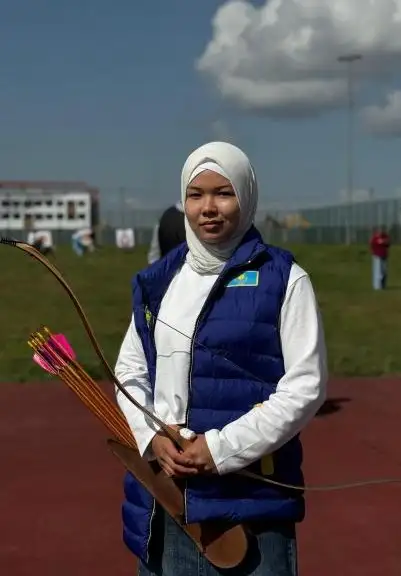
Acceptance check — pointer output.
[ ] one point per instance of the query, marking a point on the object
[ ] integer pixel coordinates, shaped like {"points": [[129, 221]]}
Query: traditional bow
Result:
{"points": [[36, 255], [170, 432]]}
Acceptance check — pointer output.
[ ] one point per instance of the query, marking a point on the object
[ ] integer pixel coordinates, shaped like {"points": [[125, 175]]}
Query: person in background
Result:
{"points": [[168, 233], [225, 340], [379, 246], [43, 243], [83, 241]]}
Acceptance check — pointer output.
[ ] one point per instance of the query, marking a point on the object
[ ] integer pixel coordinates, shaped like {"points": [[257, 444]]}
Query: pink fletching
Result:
{"points": [[62, 343], [43, 364]]}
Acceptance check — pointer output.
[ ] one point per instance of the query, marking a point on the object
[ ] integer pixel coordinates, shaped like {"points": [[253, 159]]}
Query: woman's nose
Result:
{"points": [[209, 204]]}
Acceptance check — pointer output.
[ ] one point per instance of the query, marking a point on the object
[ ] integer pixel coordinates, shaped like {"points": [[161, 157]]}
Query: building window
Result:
{"points": [[28, 221], [71, 213]]}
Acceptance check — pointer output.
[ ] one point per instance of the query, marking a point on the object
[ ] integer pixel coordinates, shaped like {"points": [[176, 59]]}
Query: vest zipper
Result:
{"points": [[205, 305]]}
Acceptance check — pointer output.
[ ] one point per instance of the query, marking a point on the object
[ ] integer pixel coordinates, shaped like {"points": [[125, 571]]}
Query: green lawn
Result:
{"points": [[362, 327]]}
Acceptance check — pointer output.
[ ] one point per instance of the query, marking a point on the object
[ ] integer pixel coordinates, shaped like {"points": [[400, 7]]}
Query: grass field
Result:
{"points": [[362, 327]]}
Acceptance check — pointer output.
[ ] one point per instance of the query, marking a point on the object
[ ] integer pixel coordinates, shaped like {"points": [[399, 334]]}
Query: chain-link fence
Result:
{"points": [[334, 224], [324, 225]]}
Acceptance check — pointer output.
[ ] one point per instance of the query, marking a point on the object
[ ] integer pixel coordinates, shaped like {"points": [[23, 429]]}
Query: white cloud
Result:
{"points": [[384, 120], [281, 58]]}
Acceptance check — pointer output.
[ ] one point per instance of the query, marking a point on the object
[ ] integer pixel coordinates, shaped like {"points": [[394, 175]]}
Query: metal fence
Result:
{"points": [[333, 224], [323, 225]]}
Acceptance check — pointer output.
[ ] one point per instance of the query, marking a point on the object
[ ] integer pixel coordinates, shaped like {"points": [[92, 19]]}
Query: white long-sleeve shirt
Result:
{"points": [[262, 430]]}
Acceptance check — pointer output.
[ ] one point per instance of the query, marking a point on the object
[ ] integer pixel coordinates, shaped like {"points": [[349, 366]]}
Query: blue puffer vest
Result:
{"points": [[236, 363]]}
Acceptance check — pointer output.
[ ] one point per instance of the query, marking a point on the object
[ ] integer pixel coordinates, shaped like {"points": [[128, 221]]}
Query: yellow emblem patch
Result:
{"points": [[148, 316]]}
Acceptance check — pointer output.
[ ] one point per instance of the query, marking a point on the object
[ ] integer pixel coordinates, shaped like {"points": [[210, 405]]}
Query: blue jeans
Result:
{"points": [[379, 273], [272, 552], [77, 247]]}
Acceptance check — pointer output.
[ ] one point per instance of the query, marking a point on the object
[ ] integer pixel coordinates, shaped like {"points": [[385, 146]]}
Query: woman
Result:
{"points": [[225, 341]]}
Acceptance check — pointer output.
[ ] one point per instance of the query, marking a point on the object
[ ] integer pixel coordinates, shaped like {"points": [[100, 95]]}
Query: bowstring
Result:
{"points": [[217, 352], [252, 475], [53, 269]]}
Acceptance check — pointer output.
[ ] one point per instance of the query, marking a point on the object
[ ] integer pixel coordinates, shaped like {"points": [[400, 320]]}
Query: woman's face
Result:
{"points": [[212, 207]]}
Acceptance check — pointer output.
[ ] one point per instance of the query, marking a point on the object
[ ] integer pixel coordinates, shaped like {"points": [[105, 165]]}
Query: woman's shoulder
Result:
{"points": [[285, 261], [296, 273], [173, 259], [279, 256]]}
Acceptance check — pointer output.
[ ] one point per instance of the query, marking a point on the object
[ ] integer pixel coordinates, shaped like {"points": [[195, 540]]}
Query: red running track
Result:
{"points": [[60, 487]]}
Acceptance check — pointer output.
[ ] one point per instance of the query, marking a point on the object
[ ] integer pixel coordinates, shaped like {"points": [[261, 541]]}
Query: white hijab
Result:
{"points": [[233, 164]]}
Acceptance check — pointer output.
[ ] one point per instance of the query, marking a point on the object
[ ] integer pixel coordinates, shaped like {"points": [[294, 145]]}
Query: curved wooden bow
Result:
{"points": [[36, 255], [170, 432]]}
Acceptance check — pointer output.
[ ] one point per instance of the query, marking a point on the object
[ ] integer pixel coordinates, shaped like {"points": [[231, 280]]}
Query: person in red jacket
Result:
{"points": [[379, 247]]}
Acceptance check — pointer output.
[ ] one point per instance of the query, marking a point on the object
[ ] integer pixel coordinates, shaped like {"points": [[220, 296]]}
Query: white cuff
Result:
{"points": [[187, 434], [144, 442], [212, 438]]}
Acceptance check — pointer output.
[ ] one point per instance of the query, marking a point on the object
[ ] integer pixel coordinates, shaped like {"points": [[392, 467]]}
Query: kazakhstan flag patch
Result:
{"points": [[248, 278]]}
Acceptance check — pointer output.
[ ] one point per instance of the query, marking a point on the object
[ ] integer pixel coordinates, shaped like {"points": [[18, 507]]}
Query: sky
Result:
{"points": [[118, 94]]}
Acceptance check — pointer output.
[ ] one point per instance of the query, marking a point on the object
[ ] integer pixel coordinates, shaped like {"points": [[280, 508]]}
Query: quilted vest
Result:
{"points": [[236, 363]]}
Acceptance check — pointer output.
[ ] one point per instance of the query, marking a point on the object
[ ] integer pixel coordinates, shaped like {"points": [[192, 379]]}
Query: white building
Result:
{"points": [[48, 205]]}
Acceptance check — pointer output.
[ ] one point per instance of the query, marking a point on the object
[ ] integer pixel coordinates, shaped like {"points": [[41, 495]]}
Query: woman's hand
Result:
{"points": [[198, 455], [173, 462]]}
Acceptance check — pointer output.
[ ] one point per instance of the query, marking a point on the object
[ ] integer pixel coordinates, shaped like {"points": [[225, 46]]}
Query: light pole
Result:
{"points": [[349, 60], [122, 192]]}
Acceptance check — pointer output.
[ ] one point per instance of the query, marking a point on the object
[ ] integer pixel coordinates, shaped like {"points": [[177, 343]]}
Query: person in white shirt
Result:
{"points": [[42, 241], [225, 343], [82, 241]]}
